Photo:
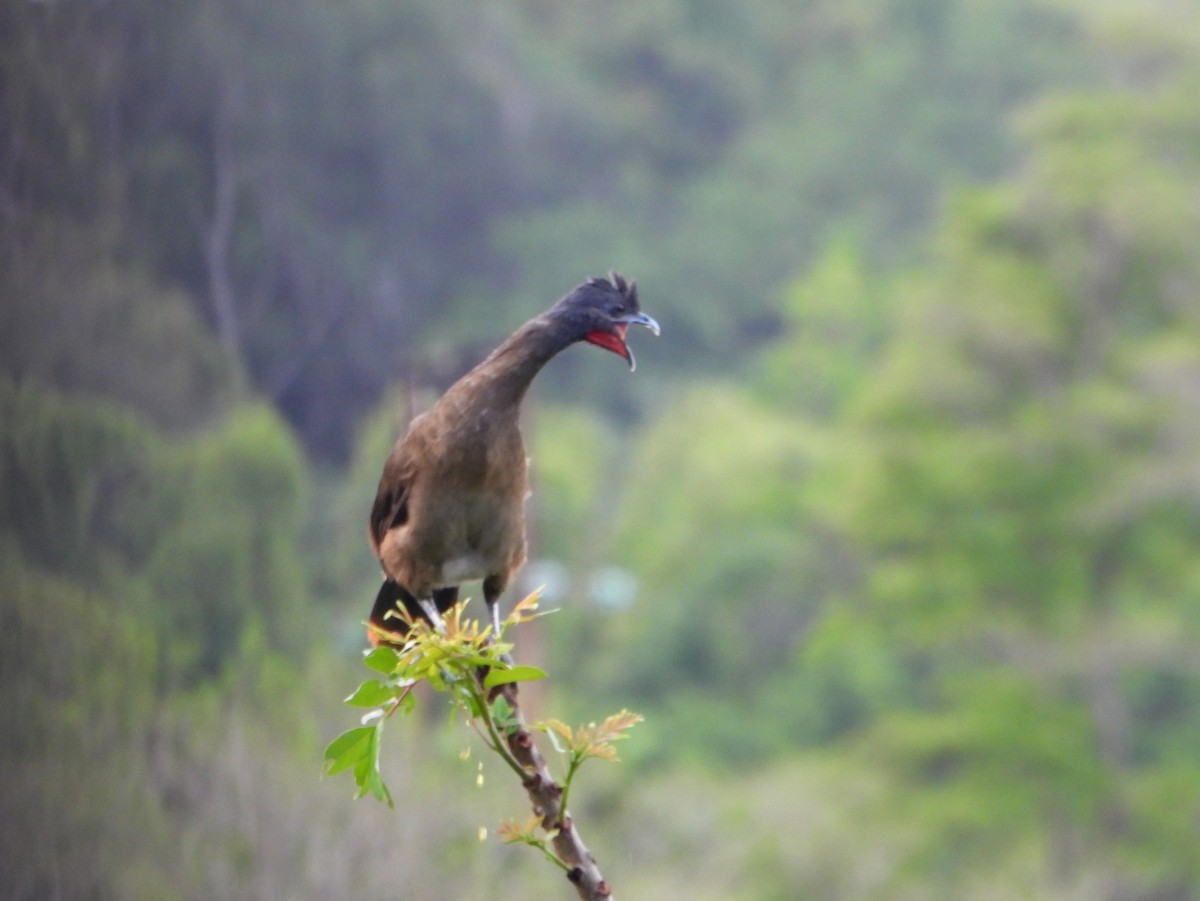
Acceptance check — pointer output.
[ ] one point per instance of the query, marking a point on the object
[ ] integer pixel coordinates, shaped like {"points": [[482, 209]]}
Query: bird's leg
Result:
{"points": [[431, 612], [493, 587], [494, 609]]}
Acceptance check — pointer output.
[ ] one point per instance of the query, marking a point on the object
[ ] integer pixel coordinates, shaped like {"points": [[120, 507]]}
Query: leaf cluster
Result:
{"points": [[448, 660], [467, 662]]}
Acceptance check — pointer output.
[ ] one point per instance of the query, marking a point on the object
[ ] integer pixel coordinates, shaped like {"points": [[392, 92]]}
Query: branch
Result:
{"points": [[473, 666], [546, 796]]}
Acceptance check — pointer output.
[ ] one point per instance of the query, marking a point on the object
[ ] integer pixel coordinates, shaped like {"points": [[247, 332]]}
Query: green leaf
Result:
{"points": [[371, 694], [512, 674], [366, 771], [383, 659], [502, 715], [556, 741], [363, 769], [468, 660], [378, 789], [501, 709], [348, 749]]}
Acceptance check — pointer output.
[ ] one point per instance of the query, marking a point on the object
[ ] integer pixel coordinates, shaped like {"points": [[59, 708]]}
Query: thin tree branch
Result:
{"points": [[546, 796]]}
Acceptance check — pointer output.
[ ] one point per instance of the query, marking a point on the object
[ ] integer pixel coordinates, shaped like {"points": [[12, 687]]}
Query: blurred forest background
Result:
{"points": [[894, 536]]}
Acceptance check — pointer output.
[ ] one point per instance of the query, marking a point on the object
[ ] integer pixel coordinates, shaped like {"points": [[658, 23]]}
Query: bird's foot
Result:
{"points": [[431, 613]]}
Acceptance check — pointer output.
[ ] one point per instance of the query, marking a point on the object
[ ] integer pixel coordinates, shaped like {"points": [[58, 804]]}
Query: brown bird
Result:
{"points": [[451, 502]]}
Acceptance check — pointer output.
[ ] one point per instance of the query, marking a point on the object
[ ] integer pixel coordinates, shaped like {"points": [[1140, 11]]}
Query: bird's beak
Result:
{"points": [[615, 340], [643, 320]]}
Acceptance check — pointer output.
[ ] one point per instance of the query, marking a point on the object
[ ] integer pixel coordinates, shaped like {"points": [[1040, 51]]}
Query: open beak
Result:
{"points": [[643, 320], [615, 340]]}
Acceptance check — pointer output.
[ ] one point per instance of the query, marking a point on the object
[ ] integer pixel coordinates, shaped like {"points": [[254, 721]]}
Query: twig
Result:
{"points": [[546, 796], [492, 737]]}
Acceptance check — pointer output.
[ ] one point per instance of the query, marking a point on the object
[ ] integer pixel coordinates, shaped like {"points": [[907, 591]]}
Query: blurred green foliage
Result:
{"points": [[908, 488], [79, 697], [342, 190], [229, 557]]}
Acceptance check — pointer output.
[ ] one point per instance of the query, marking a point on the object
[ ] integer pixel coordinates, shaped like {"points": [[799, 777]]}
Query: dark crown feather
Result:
{"points": [[627, 288]]}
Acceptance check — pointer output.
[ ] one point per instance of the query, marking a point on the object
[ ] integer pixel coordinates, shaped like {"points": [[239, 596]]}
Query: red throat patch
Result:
{"points": [[610, 341]]}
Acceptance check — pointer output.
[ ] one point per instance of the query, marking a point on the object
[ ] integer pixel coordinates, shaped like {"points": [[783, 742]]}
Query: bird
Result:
{"points": [[450, 506]]}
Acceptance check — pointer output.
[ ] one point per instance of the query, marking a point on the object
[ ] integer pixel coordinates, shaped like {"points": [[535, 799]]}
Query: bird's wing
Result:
{"points": [[391, 499]]}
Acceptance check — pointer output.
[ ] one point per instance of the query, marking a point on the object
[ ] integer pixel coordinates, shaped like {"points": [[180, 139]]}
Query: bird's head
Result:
{"points": [[600, 312]]}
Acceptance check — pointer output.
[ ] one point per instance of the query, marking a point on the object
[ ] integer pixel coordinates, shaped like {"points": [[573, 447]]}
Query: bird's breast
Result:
{"points": [[463, 568]]}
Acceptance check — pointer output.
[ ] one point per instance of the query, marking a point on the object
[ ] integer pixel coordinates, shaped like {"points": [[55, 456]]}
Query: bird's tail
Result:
{"points": [[393, 596]]}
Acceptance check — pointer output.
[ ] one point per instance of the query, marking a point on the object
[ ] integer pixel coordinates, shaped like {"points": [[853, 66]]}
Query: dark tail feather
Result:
{"points": [[394, 596], [391, 597]]}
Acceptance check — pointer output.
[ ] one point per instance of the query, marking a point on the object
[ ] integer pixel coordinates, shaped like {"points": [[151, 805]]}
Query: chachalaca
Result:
{"points": [[451, 502]]}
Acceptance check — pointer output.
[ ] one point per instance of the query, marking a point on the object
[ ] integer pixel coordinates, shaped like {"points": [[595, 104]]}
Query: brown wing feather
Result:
{"points": [[391, 499]]}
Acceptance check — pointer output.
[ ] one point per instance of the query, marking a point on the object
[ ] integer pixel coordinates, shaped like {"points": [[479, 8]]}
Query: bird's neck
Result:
{"points": [[511, 367]]}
